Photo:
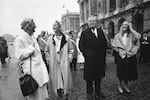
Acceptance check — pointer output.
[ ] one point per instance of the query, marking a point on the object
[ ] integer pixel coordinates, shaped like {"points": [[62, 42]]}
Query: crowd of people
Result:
{"points": [[55, 56]]}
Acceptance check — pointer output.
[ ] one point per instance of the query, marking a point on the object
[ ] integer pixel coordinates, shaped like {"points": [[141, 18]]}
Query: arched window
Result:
{"points": [[111, 30]]}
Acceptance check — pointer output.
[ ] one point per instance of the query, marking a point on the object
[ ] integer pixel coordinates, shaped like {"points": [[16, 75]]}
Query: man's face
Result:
{"points": [[92, 22]]}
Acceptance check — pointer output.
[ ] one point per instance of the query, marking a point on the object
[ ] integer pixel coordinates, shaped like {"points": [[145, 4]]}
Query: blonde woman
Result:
{"points": [[26, 47], [126, 43], [60, 52]]}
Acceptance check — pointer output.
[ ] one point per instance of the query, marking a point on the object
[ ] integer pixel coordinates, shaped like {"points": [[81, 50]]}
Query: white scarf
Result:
{"points": [[58, 42]]}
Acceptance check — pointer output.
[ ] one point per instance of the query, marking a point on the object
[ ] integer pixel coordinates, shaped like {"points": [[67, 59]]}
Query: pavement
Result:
{"points": [[140, 90], [9, 83]]}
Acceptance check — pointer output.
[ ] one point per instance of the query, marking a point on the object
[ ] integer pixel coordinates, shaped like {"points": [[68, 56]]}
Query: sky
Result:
{"points": [[44, 13]]}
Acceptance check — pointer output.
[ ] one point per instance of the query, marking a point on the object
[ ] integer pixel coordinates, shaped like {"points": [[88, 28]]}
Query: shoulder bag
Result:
{"points": [[28, 84]]}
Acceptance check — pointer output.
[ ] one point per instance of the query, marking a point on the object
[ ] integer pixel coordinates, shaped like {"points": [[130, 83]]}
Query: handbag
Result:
{"points": [[28, 84]]}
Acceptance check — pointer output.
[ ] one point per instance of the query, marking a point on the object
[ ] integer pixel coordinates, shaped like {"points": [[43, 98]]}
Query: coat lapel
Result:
{"points": [[93, 34], [63, 42]]}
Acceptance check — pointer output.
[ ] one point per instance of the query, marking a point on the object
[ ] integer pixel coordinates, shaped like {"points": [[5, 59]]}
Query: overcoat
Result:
{"points": [[59, 67], [94, 51], [23, 48]]}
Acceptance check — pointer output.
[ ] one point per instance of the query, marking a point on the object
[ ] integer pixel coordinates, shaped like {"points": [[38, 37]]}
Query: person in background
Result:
{"points": [[44, 35], [145, 48], [42, 44], [60, 52], [93, 45], [126, 43], [26, 50], [3, 50], [73, 64]]}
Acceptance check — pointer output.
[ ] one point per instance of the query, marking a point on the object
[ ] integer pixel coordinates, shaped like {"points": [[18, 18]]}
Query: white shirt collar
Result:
{"points": [[95, 32]]}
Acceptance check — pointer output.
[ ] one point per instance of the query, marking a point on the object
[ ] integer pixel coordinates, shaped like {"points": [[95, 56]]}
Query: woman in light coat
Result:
{"points": [[60, 52], [26, 46], [126, 43]]}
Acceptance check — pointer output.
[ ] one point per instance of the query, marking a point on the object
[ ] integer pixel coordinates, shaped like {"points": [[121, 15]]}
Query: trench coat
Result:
{"points": [[94, 51], [59, 64], [23, 48]]}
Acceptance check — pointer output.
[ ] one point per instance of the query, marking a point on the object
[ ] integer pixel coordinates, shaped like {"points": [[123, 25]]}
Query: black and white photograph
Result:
{"points": [[74, 49]]}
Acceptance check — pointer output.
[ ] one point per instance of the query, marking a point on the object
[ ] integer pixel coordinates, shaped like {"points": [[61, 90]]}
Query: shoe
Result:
{"points": [[47, 99], [126, 89], [60, 92], [120, 89], [99, 96], [65, 97], [89, 97]]}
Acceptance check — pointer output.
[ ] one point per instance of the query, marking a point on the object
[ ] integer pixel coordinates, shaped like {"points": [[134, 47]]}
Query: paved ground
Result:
{"points": [[9, 87], [9, 83], [140, 89]]}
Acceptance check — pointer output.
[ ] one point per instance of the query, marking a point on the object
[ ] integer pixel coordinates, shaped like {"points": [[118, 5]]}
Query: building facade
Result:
{"points": [[112, 13], [70, 22]]}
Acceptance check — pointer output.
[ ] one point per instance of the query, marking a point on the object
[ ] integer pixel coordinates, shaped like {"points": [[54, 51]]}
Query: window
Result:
{"points": [[93, 7], [123, 3], [87, 9], [112, 5], [105, 6]]}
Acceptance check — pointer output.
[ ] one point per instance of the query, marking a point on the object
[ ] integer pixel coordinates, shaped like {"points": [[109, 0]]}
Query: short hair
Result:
{"points": [[26, 22], [58, 23]]}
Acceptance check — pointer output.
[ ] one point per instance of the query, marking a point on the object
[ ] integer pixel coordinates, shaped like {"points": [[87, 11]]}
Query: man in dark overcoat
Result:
{"points": [[93, 45]]}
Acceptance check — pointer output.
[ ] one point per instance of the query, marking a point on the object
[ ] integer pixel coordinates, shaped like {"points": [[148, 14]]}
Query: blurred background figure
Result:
{"points": [[145, 48], [73, 63], [3, 50], [41, 39]]}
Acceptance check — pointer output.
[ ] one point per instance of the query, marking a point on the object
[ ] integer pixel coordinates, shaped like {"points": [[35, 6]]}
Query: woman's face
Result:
{"points": [[125, 28], [31, 28], [56, 27]]}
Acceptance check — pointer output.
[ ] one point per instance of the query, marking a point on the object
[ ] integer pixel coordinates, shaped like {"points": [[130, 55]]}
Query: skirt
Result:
{"points": [[40, 94], [126, 68]]}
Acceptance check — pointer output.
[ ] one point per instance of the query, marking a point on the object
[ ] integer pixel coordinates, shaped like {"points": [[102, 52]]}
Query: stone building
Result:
{"points": [[112, 13], [70, 22]]}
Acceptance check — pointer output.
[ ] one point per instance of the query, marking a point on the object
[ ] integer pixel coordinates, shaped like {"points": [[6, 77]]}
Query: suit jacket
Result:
{"points": [[94, 51]]}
